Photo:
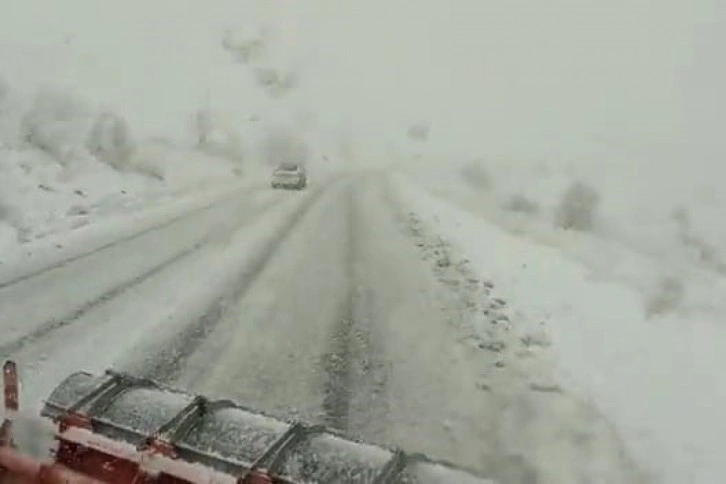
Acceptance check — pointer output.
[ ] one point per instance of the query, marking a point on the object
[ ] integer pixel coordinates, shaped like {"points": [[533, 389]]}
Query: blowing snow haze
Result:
{"points": [[488, 76], [506, 250]]}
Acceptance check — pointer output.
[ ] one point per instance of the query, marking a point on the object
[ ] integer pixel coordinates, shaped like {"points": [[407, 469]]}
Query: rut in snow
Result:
{"points": [[337, 362]]}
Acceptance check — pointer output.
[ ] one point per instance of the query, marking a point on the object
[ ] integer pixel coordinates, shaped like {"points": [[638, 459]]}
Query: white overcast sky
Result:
{"points": [[500, 75]]}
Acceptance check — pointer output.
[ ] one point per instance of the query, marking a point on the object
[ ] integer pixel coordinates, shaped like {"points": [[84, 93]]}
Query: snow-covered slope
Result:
{"points": [[64, 164], [621, 254], [70, 155], [634, 309], [663, 209]]}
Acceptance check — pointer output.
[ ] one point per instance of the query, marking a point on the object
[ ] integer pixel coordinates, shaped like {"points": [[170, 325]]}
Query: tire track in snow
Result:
{"points": [[167, 364], [368, 365], [404, 395], [109, 245], [338, 362], [53, 325]]}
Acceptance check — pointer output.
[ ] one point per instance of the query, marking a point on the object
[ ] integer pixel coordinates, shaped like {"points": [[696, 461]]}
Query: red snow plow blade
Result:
{"points": [[115, 428]]}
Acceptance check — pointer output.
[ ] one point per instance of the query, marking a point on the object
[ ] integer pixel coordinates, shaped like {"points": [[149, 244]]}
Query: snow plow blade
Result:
{"points": [[117, 428]]}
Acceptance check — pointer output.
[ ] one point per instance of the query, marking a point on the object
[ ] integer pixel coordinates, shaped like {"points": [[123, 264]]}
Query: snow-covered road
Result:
{"points": [[333, 305]]}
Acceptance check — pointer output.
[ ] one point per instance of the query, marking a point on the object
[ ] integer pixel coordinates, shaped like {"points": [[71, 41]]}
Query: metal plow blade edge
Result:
{"points": [[117, 428]]}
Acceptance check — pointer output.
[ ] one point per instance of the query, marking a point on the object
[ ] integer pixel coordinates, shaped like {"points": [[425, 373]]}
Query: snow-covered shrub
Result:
{"points": [[536, 337], [666, 296], [418, 132], [275, 82], [702, 251], [578, 207], [520, 203], [475, 174], [268, 76], [245, 44], [57, 124], [682, 217], [109, 140], [705, 253]]}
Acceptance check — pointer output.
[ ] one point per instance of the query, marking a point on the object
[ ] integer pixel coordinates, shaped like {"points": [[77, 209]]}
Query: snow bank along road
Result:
{"points": [[332, 305]]}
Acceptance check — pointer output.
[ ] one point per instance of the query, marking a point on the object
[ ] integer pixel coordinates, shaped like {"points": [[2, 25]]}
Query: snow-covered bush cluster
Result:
{"points": [[276, 81], [665, 297], [251, 45], [110, 141], [64, 162], [418, 132], [702, 251], [245, 44], [70, 131], [73, 134], [57, 123], [662, 217], [577, 209], [476, 175]]}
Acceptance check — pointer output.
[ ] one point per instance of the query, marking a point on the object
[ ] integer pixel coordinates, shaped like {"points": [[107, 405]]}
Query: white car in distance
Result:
{"points": [[290, 175]]}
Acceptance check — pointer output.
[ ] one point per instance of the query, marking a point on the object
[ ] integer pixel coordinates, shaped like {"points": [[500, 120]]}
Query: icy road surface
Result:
{"points": [[332, 305]]}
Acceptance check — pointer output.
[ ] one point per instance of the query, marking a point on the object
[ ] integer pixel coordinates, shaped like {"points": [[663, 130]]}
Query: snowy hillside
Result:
{"points": [[666, 212], [64, 165], [635, 327], [79, 142]]}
